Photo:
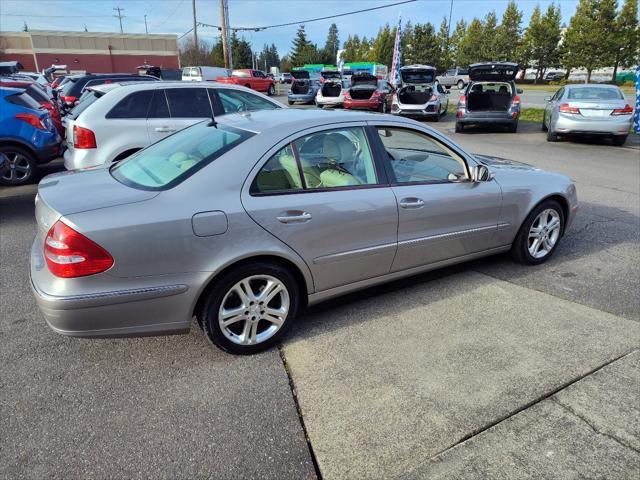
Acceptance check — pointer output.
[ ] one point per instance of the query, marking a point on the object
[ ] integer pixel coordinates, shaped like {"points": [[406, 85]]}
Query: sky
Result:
{"points": [[175, 16]]}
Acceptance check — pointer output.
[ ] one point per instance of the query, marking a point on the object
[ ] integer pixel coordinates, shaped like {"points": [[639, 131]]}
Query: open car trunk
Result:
{"points": [[493, 72], [415, 95], [363, 86], [492, 98], [301, 82], [331, 89]]}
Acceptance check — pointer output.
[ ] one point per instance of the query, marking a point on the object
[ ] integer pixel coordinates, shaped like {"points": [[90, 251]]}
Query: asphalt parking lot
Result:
{"points": [[484, 370]]}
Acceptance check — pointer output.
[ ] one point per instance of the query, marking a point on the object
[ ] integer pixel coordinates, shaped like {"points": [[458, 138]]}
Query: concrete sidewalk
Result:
{"points": [[391, 379]]}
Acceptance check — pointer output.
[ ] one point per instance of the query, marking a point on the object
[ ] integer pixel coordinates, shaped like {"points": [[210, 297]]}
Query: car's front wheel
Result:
{"points": [[460, 84], [21, 165], [540, 234], [272, 90], [250, 308]]}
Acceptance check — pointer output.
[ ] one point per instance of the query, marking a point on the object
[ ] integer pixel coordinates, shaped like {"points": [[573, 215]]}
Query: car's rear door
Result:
{"points": [[339, 215], [176, 108], [442, 213]]}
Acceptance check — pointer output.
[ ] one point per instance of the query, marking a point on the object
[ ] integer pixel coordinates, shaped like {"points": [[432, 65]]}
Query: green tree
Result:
{"points": [[444, 60], [331, 46], [542, 39], [303, 50], [626, 37], [268, 57], [364, 52], [488, 38], [285, 64], [382, 46], [427, 49], [454, 42], [469, 49], [241, 52], [351, 49], [406, 42], [509, 34], [590, 39]]}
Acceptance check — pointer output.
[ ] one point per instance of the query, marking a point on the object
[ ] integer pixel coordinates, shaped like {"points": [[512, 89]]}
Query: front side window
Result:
{"points": [[417, 158], [134, 105], [188, 103], [169, 161], [238, 101]]}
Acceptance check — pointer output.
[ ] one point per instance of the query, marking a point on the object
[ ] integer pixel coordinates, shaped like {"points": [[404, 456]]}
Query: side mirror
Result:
{"points": [[519, 90], [481, 173], [547, 99]]}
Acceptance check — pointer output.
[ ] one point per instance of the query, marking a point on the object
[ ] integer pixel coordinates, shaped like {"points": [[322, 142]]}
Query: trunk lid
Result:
{"points": [[499, 72], [331, 76], [417, 75], [300, 75], [81, 190], [364, 79]]}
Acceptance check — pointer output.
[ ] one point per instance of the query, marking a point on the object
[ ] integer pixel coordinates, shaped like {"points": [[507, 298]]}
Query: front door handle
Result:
{"points": [[165, 129], [294, 217], [412, 202]]}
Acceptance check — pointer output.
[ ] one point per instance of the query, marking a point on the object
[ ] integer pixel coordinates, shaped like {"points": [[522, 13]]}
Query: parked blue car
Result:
{"points": [[28, 137], [304, 87]]}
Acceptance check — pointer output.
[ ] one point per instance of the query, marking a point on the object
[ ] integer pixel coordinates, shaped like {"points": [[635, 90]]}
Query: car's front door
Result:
{"points": [[442, 213], [323, 195]]}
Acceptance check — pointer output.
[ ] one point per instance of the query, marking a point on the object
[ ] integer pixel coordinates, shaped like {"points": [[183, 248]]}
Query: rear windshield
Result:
{"points": [[23, 99], [239, 73], [331, 75], [595, 93], [84, 103], [418, 76], [170, 161]]}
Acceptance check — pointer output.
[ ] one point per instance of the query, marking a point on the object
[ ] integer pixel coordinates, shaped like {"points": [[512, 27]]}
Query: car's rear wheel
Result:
{"points": [[460, 84], [540, 234], [289, 102], [383, 107], [552, 136], [21, 165], [250, 308], [544, 125], [513, 128], [272, 90], [459, 127], [619, 140]]}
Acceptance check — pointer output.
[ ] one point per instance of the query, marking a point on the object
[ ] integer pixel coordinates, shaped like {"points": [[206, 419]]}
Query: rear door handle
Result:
{"points": [[412, 202], [294, 217], [165, 129]]}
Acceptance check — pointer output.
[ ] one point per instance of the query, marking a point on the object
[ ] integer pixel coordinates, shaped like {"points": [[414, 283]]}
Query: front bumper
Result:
{"points": [[575, 124], [84, 308]]}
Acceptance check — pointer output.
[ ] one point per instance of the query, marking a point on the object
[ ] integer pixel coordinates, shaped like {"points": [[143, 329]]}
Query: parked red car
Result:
{"points": [[254, 79], [368, 93], [35, 91]]}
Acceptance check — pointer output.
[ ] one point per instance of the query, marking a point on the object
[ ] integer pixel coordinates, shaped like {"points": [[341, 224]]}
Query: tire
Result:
{"points": [[544, 125], [383, 107], [552, 136], [290, 102], [520, 250], [231, 339], [272, 90], [318, 105], [619, 140], [459, 127], [22, 165], [460, 84], [513, 128]]}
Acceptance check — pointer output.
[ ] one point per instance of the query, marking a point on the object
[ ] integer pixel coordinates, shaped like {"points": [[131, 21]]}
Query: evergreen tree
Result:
{"points": [[427, 49], [241, 52], [541, 40], [382, 46], [626, 37], [285, 64], [331, 46], [509, 34], [217, 54], [590, 39], [406, 41], [364, 52], [454, 42], [268, 57], [351, 49], [303, 50], [444, 61], [488, 39], [469, 49]]}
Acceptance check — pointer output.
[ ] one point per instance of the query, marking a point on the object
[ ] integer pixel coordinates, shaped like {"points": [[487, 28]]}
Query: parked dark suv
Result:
{"points": [[73, 88], [491, 98]]}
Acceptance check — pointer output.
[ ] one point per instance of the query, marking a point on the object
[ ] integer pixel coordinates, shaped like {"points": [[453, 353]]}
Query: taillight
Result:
{"points": [[32, 119], [566, 108], [627, 110], [347, 95], [463, 100], [516, 100], [70, 254], [70, 99], [83, 138], [376, 93]]}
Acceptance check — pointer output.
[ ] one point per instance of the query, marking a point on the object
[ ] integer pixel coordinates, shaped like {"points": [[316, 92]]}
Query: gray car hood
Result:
{"points": [[497, 163], [82, 190]]}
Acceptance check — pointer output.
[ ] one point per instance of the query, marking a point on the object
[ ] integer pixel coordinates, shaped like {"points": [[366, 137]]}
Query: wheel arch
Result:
{"points": [[558, 197], [271, 258], [4, 141]]}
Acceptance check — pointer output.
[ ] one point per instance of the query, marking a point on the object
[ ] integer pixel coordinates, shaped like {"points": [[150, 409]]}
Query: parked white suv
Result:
{"points": [[112, 123]]}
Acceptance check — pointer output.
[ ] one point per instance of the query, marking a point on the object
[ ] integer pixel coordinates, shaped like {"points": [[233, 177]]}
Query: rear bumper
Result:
{"points": [[301, 97], [49, 151], [362, 104], [330, 100], [145, 309], [612, 125], [75, 159], [505, 118]]}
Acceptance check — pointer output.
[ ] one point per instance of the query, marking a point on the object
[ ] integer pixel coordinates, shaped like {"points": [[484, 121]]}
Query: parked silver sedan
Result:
{"points": [[588, 109], [244, 221]]}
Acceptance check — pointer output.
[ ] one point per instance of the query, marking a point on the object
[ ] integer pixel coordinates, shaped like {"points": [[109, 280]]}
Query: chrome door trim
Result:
{"points": [[361, 252], [415, 242]]}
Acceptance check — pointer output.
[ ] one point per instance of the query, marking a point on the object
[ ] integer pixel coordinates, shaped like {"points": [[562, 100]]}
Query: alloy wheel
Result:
{"points": [[254, 309], [19, 167], [544, 233]]}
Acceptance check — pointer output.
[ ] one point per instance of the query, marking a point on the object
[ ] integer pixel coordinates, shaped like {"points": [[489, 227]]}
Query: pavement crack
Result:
{"points": [[573, 412], [544, 396], [294, 394]]}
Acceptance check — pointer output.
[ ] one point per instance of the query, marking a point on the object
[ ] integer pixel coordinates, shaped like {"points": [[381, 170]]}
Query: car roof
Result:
{"points": [[591, 85], [417, 67], [133, 85]]}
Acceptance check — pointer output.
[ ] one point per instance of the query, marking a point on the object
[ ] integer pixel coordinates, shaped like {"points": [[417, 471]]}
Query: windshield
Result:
{"points": [[595, 93], [170, 161], [418, 76]]}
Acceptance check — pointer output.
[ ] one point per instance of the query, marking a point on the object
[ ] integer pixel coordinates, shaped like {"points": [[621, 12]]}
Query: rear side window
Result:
{"points": [[237, 101], [84, 104], [134, 105], [159, 107], [177, 157], [188, 103]]}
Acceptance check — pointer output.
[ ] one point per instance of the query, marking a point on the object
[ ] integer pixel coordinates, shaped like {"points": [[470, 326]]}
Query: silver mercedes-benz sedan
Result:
{"points": [[243, 221], [588, 109]]}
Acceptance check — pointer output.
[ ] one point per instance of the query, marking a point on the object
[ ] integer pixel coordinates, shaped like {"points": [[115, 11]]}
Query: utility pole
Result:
{"points": [[195, 25], [226, 37], [146, 30], [119, 16]]}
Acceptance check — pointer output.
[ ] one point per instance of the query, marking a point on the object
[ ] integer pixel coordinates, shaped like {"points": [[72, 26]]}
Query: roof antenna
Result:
{"points": [[213, 122]]}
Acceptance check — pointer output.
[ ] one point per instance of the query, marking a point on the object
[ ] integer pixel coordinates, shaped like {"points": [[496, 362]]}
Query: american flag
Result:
{"points": [[394, 77]]}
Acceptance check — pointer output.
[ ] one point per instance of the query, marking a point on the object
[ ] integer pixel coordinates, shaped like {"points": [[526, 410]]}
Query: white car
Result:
{"points": [[202, 74], [331, 93], [420, 94], [112, 123]]}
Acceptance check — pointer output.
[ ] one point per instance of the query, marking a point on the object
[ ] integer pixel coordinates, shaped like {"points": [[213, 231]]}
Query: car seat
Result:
{"points": [[341, 152]]}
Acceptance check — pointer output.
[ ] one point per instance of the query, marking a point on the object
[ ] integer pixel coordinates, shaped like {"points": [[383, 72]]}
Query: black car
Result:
{"points": [[72, 89], [554, 76], [491, 97]]}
